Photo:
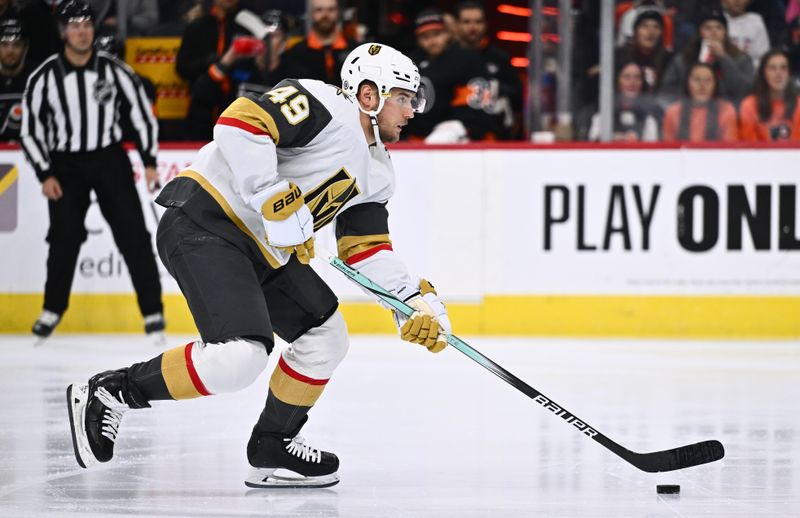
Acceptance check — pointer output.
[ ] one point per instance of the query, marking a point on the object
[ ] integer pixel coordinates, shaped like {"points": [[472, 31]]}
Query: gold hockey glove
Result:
{"points": [[429, 324], [288, 222]]}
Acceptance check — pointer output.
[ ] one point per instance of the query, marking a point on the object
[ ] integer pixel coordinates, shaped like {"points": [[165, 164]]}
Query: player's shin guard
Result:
{"points": [[198, 369]]}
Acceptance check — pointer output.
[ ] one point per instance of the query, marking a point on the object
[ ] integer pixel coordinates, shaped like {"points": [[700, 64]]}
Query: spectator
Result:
{"points": [[732, 67], [647, 49], [14, 72], [142, 15], [772, 112], [628, 12], [7, 10], [214, 66], [75, 155], [746, 30], [39, 19], [701, 116], [635, 117], [452, 78], [775, 16], [792, 45], [505, 106], [321, 53]]}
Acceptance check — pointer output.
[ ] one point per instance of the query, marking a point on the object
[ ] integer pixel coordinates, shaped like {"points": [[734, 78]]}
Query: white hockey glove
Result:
{"points": [[429, 324], [287, 220]]}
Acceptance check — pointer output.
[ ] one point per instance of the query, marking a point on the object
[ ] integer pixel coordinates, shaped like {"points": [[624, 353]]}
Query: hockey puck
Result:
{"points": [[668, 489]]}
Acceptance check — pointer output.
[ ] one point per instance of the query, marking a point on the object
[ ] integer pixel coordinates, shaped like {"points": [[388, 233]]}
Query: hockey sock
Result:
{"points": [[291, 396], [170, 375]]}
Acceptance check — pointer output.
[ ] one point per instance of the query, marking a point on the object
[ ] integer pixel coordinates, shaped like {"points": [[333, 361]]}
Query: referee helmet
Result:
{"points": [[74, 11]]}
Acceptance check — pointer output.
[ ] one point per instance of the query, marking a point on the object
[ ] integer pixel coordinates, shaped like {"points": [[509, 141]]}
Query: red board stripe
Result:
{"points": [[236, 123], [353, 259], [193, 373], [296, 375]]}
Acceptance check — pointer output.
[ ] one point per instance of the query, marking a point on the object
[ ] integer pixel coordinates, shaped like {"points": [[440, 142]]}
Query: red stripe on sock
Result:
{"points": [[236, 123], [368, 253], [187, 352], [296, 375]]}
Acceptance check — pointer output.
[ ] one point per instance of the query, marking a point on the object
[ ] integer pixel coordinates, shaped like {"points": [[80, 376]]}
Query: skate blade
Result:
{"points": [[77, 397], [39, 340], [266, 478]]}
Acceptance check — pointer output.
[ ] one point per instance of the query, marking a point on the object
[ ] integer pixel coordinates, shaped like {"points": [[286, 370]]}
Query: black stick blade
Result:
{"points": [[680, 458]]}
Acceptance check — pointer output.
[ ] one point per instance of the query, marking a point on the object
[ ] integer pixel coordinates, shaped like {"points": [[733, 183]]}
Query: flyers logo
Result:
{"points": [[325, 200], [374, 49]]}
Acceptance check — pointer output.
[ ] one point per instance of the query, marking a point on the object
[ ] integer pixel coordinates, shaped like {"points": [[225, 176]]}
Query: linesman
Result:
{"points": [[71, 136]]}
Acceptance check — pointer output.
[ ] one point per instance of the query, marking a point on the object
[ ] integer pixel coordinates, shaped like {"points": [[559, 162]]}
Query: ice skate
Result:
{"points": [[95, 414], [289, 462], [45, 325], [154, 326]]}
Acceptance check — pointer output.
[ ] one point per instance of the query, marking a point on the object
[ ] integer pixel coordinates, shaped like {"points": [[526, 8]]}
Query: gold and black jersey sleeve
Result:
{"points": [[288, 113], [362, 231]]}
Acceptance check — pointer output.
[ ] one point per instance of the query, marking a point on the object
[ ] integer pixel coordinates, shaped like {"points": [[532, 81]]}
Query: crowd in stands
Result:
{"points": [[710, 70], [697, 71]]}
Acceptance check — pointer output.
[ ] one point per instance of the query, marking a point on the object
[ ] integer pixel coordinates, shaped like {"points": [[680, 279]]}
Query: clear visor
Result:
{"points": [[406, 98]]}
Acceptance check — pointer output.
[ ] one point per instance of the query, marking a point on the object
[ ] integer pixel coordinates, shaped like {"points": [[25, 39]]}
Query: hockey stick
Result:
{"points": [[653, 462]]}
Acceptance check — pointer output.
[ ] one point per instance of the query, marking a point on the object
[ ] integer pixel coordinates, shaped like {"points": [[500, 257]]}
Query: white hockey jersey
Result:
{"points": [[303, 131]]}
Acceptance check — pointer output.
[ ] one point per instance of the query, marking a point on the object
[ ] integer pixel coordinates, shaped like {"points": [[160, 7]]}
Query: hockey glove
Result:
{"points": [[429, 324], [287, 220]]}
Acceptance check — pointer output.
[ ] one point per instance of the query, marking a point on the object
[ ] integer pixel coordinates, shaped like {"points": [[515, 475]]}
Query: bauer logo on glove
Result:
{"points": [[287, 221]]}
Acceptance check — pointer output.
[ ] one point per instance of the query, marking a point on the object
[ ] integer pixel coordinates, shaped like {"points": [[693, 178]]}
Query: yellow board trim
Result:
{"points": [[176, 374], [292, 391], [736, 317], [8, 180], [225, 206]]}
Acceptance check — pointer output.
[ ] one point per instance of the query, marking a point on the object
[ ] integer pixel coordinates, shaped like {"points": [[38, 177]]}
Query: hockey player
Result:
{"points": [[238, 235]]}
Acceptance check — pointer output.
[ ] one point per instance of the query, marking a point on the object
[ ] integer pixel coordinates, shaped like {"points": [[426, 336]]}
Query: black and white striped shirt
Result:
{"points": [[77, 109]]}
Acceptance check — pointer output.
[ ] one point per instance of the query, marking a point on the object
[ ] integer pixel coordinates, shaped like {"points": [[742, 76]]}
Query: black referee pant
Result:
{"points": [[108, 172]]}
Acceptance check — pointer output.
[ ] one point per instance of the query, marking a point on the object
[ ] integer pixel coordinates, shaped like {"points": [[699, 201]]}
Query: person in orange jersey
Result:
{"points": [[701, 116], [771, 112]]}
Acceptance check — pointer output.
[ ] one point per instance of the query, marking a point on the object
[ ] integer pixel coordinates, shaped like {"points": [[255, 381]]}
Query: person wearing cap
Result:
{"points": [[627, 12], [746, 30], [14, 72], [646, 49], [711, 45], [458, 90], [71, 137], [506, 108], [238, 235]]}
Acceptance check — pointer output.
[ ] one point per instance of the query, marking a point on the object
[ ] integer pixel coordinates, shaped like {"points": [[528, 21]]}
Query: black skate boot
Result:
{"points": [[269, 453], [95, 413], [45, 324], [154, 326]]}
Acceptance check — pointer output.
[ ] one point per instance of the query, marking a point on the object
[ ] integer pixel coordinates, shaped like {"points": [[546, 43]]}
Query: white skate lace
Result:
{"points": [[112, 417], [298, 448]]}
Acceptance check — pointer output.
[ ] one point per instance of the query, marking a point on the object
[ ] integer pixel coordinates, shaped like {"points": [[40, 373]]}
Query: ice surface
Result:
{"points": [[425, 435]]}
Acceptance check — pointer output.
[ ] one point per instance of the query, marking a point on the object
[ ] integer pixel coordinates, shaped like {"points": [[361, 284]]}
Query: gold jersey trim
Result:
{"points": [[225, 206], [348, 246], [251, 113]]}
